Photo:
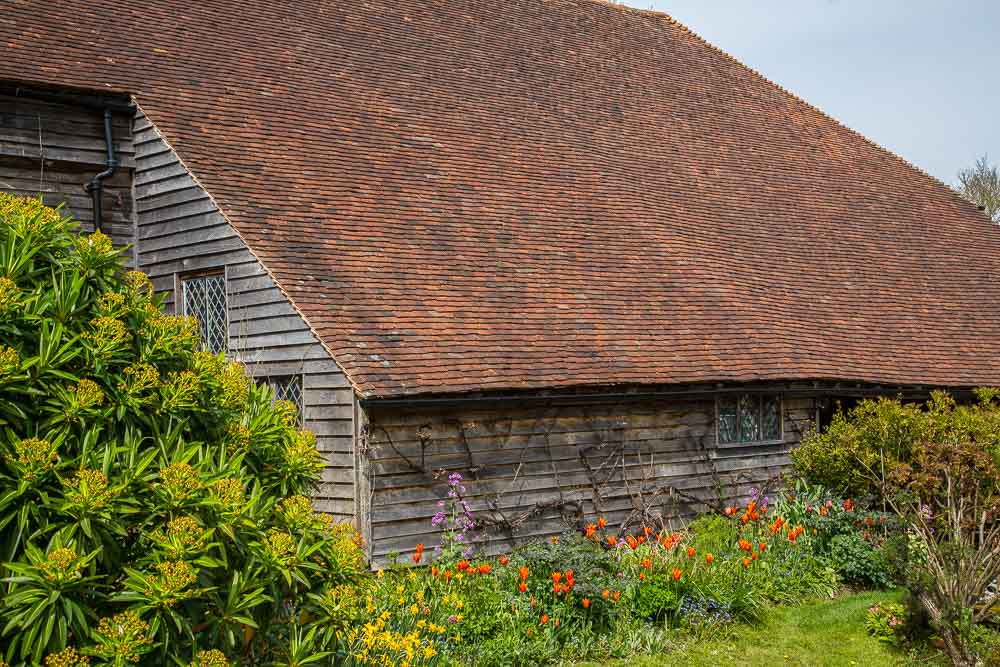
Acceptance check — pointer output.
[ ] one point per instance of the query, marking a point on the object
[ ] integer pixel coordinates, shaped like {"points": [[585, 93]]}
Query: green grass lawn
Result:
{"points": [[813, 635]]}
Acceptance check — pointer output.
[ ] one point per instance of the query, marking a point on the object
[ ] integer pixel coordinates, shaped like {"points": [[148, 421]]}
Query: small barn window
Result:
{"points": [[748, 418], [288, 388], [204, 298]]}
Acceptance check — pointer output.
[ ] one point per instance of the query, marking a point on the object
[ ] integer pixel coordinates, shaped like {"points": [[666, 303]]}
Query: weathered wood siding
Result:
{"points": [[52, 150], [513, 458], [180, 230]]}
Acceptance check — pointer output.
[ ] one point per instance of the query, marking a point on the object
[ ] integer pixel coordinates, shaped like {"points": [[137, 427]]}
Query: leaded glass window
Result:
{"points": [[728, 427], [288, 388], [770, 418], [749, 418], [204, 298]]}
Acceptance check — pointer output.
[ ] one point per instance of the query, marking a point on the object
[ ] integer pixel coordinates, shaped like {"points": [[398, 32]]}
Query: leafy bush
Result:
{"points": [[885, 622], [861, 447], [858, 562], [938, 468], [852, 538], [153, 500]]}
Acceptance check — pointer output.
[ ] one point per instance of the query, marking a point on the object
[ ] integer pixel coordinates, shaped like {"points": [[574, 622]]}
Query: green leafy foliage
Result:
{"points": [[885, 622], [860, 448], [153, 500], [858, 562], [937, 466]]}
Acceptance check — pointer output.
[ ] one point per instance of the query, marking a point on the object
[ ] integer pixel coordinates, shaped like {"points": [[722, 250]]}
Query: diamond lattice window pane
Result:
{"points": [[205, 300], [728, 431], [288, 388], [749, 418], [771, 418]]}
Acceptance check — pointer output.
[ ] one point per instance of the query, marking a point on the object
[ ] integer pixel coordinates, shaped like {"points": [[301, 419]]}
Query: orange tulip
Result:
{"points": [[612, 541], [709, 558], [585, 602], [591, 529], [647, 531], [605, 594], [447, 575], [462, 565], [601, 523], [416, 557], [690, 552], [668, 543], [746, 562], [616, 595], [434, 571], [485, 568], [556, 576], [524, 573], [642, 576], [523, 587], [646, 563], [763, 546], [545, 619], [556, 589], [504, 560], [677, 574]]}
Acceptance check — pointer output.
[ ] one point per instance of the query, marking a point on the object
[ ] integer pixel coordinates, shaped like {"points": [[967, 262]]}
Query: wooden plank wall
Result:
{"points": [[513, 458], [52, 150], [180, 230]]}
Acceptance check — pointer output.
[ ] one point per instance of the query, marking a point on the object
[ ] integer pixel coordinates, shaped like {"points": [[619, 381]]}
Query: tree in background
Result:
{"points": [[981, 185]]}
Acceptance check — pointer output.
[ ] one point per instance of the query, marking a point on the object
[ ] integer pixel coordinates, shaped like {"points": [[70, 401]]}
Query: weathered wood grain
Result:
{"points": [[514, 458], [181, 230]]}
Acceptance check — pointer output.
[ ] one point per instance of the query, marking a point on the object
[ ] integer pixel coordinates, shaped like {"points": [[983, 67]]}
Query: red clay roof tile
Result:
{"points": [[471, 195]]}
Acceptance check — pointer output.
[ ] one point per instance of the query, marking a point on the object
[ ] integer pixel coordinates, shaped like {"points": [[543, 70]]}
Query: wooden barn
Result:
{"points": [[566, 249]]}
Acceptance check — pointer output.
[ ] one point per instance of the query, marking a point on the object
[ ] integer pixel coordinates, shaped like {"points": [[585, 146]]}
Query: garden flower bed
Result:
{"points": [[592, 593]]}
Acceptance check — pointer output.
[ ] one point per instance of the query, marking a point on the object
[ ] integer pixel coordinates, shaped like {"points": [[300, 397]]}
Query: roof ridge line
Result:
{"points": [[662, 15]]}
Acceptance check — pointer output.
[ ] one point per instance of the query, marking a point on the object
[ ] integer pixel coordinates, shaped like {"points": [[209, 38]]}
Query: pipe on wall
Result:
{"points": [[96, 185]]}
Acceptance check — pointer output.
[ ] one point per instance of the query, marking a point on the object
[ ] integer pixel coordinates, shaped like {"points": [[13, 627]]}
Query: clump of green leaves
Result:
{"points": [[937, 467], [855, 454], [153, 500]]}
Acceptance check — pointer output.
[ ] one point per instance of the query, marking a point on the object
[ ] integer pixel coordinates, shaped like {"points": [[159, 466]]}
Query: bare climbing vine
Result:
{"points": [[611, 463]]}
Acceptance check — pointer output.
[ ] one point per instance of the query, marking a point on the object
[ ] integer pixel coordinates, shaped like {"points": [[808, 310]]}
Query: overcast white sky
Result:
{"points": [[917, 76]]}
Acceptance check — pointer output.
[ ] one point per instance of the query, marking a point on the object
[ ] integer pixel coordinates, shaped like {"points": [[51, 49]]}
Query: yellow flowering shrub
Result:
{"points": [[156, 501]]}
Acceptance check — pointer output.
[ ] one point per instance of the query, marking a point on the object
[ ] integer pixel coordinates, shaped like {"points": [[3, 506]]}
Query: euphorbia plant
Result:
{"points": [[152, 497]]}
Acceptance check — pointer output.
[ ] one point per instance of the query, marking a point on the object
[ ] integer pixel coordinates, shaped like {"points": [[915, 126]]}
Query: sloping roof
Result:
{"points": [[472, 195]]}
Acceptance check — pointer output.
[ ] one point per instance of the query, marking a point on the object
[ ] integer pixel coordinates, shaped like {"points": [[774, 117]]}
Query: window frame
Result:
{"points": [[760, 395], [180, 303], [270, 381]]}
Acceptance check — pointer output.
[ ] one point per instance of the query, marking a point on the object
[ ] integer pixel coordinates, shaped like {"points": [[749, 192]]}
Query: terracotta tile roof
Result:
{"points": [[471, 195]]}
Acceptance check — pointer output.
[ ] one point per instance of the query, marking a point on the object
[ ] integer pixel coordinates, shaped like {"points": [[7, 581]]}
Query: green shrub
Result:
{"points": [[859, 448], [938, 467], [885, 621], [152, 498], [858, 562]]}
